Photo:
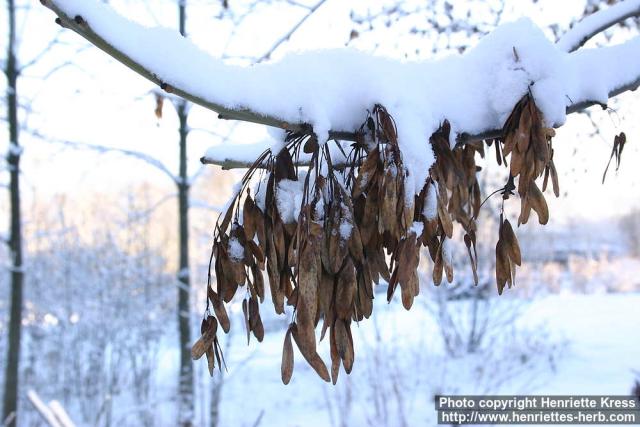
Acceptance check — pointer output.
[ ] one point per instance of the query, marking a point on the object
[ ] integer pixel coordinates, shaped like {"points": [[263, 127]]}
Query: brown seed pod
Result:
{"points": [[211, 364], [345, 290], [311, 355], [538, 203], [208, 329], [286, 367], [307, 301], [220, 311], [356, 223], [511, 242], [335, 357], [503, 270]]}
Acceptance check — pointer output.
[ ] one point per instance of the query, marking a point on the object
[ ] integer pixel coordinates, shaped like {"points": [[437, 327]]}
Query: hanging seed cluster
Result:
{"points": [[529, 144], [355, 226]]}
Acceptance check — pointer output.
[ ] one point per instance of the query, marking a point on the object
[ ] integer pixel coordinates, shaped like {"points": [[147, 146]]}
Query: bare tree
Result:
{"points": [[85, 289], [185, 405], [15, 239]]}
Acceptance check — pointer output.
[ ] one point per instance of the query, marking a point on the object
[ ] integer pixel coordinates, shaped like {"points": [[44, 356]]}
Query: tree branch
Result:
{"points": [[289, 33], [81, 27], [243, 156], [594, 24], [465, 138], [608, 83]]}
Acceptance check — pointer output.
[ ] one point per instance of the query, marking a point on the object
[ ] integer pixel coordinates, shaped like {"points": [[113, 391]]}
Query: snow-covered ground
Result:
{"points": [[604, 336], [562, 344]]}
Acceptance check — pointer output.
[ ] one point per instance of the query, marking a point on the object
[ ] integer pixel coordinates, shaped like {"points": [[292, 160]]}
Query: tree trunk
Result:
{"points": [[15, 239], [186, 397]]}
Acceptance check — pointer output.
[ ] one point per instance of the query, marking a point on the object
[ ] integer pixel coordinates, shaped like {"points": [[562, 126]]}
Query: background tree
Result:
{"points": [[15, 239]]}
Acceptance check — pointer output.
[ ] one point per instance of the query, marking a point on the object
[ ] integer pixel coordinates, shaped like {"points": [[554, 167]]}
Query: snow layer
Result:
{"points": [[248, 153], [430, 210], [592, 24], [289, 199], [236, 251], [333, 89]]}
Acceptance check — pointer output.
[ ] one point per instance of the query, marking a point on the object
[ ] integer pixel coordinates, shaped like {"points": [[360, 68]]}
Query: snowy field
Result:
{"points": [[562, 344]]}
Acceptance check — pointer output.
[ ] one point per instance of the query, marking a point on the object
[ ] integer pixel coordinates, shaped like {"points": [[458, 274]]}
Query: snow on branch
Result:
{"points": [[594, 24], [330, 90], [243, 156]]}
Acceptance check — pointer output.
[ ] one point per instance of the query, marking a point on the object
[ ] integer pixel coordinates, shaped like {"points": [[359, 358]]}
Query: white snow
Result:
{"points": [[333, 89], [596, 22], [447, 252], [15, 149], [346, 227], [289, 199], [248, 153], [430, 210], [417, 227], [183, 273], [601, 354], [236, 251]]}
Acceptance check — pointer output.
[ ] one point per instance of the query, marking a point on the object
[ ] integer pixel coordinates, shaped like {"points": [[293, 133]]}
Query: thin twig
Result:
{"points": [[289, 33], [596, 23]]}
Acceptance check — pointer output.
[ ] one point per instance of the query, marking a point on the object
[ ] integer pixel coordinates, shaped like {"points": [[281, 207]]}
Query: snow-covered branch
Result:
{"points": [[233, 156], [594, 24], [81, 21], [332, 90]]}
